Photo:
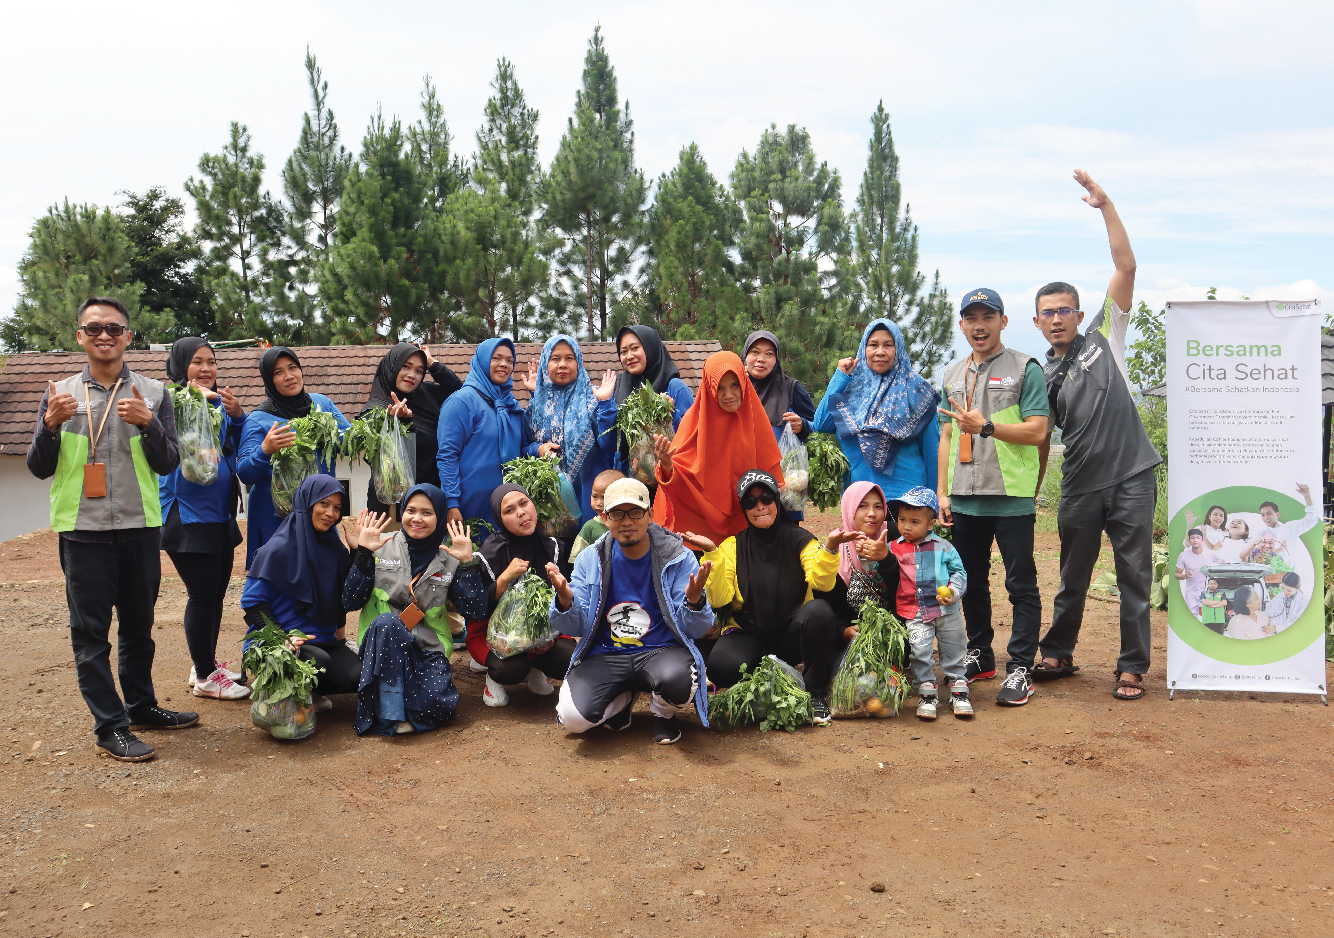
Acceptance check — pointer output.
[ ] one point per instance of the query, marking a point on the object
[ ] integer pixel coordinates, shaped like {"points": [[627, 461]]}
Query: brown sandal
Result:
{"points": [[1064, 667], [1120, 685]]}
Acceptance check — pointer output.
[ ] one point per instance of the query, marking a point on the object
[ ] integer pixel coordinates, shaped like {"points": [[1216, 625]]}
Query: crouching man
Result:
{"points": [[636, 602]]}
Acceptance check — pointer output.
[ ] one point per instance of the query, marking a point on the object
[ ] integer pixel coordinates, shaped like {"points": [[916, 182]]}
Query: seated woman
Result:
{"points": [[296, 582], [1249, 620], [765, 576], [515, 550], [402, 582], [724, 435]]}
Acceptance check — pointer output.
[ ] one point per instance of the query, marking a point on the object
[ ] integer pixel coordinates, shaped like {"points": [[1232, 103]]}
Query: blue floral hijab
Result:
{"points": [[564, 415], [883, 411], [499, 396]]}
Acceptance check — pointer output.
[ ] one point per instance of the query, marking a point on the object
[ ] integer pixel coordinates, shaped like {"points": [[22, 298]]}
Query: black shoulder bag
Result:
{"points": [[1058, 379]]}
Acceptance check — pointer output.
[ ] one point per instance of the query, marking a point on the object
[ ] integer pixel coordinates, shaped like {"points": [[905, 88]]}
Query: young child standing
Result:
{"points": [[931, 583], [596, 527]]}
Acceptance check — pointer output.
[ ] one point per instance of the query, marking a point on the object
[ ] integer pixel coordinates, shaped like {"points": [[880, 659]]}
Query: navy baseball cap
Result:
{"points": [[988, 298]]}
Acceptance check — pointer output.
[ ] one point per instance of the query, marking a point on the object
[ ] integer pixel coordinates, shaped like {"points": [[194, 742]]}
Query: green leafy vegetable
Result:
{"points": [[383, 442], [317, 438], [827, 468], [870, 680], [521, 621], [362, 439], [540, 478], [644, 413], [769, 695], [190, 395], [278, 672], [198, 424]]}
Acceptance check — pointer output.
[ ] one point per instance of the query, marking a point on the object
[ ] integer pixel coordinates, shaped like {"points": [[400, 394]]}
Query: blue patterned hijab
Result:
{"points": [[884, 411], [564, 415], [499, 396]]}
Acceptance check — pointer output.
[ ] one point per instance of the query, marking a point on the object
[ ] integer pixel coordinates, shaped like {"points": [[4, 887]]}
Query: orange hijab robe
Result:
{"points": [[714, 449]]}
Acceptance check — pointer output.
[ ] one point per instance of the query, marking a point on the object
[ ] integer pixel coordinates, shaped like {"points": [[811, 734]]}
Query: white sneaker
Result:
{"points": [[959, 701], [538, 683], [474, 667], [320, 704], [493, 695], [220, 687], [222, 666], [926, 705], [405, 727]]}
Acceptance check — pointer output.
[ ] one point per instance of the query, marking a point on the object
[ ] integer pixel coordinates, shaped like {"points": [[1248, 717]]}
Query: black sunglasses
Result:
{"points": [[764, 498], [94, 329]]}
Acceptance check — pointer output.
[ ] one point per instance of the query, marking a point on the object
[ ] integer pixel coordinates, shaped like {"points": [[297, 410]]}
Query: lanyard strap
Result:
{"points": [[88, 405]]}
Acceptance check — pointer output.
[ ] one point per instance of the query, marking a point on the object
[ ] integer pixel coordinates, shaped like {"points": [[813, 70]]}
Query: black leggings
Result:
{"points": [[812, 634], [206, 578], [342, 667], [553, 662]]}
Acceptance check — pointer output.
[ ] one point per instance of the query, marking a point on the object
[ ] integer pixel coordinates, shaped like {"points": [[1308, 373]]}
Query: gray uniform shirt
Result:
{"points": [[1105, 441]]}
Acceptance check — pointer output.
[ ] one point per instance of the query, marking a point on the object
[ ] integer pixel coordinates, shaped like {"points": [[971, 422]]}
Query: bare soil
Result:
{"points": [[503, 825]]}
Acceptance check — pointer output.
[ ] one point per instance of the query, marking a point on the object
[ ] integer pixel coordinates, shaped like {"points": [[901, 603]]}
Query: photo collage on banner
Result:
{"points": [[1245, 536]]}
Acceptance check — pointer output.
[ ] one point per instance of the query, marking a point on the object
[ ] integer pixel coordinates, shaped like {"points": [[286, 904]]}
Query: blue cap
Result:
{"points": [[988, 298], [919, 496]]}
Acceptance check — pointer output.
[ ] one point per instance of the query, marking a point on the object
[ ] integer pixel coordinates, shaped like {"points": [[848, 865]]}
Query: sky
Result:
{"points": [[1208, 123]]}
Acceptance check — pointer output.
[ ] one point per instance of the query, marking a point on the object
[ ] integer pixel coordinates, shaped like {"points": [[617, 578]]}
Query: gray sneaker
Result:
{"points": [[1016, 689]]}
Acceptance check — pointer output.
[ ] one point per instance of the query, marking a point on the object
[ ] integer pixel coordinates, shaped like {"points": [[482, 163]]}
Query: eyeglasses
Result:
{"points": [[750, 501], [1065, 313], [94, 329], [620, 514]]}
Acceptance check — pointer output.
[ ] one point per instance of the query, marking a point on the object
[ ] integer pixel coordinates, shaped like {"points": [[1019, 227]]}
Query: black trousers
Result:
{"points": [[812, 634], [973, 535], [553, 662], [342, 667], [598, 680], [206, 578], [123, 576]]}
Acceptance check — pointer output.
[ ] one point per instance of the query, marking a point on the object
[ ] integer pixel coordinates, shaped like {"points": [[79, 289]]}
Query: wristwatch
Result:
{"points": [[988, 428]]}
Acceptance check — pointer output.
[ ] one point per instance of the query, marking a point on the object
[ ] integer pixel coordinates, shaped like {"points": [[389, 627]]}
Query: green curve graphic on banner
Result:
{"points": [[1296, 637]]}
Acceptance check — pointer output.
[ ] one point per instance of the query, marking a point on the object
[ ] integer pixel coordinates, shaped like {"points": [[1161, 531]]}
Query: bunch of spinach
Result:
{"points": [[768, 695], [522, 618], [277, 671], [827, 468], [540, 478], [872, 666], [317, 439]]}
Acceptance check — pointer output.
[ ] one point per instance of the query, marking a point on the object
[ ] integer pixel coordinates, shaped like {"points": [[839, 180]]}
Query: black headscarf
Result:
{"points": [[423, 550], [306, 565], [775, 388], [502, 546], [275, 402], [769, 573], [179, 358], [659, 369], [424, 405]]}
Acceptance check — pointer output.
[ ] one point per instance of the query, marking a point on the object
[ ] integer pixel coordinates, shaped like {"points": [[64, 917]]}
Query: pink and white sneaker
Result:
{"points": [[233, 676], [495, 695], [220, 687]]}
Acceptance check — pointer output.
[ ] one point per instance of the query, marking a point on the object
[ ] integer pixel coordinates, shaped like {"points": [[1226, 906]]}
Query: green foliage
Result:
{"points": [[873, 665], [521, 621], [540, 478], [828, 467], [768, 694], [643, 410], [362, 439], [278, 673], [165, 260], [185, 396], [429, 141], [317, 438], [507, 143], [1147, 361]]}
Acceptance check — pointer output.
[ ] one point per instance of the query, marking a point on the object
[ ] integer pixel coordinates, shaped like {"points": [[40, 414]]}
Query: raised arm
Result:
{"points": [[1122, 286]]}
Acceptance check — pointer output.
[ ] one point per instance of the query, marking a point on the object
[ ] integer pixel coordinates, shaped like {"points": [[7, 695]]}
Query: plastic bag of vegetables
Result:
{"points": [[197, 426], [282, 685], [388, 447], [773, 695], [827, 466], [869, 680], [521, 621], [551, 491], [317, 438], [644, 413], [796, 472]]}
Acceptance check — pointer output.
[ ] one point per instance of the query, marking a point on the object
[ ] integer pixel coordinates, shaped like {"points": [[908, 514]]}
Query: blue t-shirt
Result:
{"points": [[634, 619]]}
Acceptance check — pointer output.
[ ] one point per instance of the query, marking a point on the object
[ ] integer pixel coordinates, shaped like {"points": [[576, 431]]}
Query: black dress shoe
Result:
{"points": [[125, 746], [155, 718]]}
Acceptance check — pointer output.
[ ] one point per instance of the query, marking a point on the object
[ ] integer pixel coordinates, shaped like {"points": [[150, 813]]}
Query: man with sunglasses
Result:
{"points": [[1107, 477], [103, 437], [636, 597]]}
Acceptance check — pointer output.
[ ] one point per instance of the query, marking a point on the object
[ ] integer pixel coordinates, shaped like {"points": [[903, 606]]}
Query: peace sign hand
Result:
{"points": [[399, 408], [969, 421]]}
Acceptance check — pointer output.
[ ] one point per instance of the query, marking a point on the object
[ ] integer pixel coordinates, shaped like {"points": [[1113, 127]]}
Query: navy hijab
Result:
{"points": [[306, 565], [423, 550]]}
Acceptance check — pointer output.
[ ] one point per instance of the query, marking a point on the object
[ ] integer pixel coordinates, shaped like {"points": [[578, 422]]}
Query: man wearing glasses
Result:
{"points": [[636, 598], [105, 435], [1107, 478]]}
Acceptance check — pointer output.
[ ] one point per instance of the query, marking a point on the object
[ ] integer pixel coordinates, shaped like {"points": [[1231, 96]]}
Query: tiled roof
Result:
{"points": [[342, 372]]}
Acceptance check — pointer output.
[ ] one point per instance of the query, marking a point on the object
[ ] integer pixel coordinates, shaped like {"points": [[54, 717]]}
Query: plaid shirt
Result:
{"points": [[159, 442], [924, 567]]}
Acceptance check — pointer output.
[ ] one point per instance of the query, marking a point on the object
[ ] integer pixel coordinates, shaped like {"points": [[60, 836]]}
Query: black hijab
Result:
{"points": [[659, 369], [423, 550], [769, 573], [179, 358], [424, 405], [275, 402], [306, 565], [502, 546], [775, 388]]}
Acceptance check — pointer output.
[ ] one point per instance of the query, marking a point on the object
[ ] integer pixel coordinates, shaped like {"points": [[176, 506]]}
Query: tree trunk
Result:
{"points": [[588, 269]]}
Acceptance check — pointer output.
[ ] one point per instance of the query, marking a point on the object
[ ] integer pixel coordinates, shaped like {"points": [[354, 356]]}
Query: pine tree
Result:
{"points": [[165, 259], [794, 250], [385, 273], [74, 252], [429, 140], [692, 227], [507, 143], [889, 283], [312, 183], [239, 225], [595, 195]]}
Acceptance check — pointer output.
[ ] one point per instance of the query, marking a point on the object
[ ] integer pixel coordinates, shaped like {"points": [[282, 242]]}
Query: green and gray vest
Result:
{"points": [[997, 468], [132, 485], [393, 574]]}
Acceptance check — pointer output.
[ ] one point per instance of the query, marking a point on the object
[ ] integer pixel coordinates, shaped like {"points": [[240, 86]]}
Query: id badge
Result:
{"points": [[411, 615], [95, 480]]}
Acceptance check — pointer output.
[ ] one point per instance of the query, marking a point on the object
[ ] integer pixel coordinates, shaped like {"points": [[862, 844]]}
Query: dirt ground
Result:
{"points": [[503, 825]]}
